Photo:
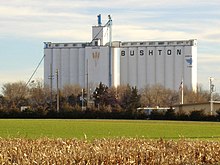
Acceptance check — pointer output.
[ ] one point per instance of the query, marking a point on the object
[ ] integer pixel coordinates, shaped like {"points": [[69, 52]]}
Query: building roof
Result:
{"points": [[190, 104]]}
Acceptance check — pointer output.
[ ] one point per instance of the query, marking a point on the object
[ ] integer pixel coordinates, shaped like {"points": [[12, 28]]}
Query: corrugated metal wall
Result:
{"points": [[137, 64]]}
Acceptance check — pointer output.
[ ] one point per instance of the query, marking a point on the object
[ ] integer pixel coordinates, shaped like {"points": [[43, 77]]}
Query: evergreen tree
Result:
{"points": [[103, 96], [130, 100]]}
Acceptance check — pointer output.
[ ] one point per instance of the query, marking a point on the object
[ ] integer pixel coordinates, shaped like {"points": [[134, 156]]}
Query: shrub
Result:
{"points": [[197, 115], [170, 114]]}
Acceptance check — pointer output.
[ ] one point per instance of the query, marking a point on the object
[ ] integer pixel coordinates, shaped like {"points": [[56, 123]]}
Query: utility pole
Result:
{"points": [[82, 99], [110, 50], [51, 87], [58, 91], [211, 86], [87, 82], [182, 92]]}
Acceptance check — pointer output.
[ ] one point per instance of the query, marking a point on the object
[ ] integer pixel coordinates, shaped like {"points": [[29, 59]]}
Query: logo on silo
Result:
{"points": [[189, 61], [95, 56]]}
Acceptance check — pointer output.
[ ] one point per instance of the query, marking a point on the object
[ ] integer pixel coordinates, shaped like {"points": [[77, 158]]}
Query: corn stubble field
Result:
{"points": [[108, 151]]}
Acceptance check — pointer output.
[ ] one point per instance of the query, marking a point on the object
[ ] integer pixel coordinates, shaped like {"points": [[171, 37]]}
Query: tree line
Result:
{"points": [[38, 101]]}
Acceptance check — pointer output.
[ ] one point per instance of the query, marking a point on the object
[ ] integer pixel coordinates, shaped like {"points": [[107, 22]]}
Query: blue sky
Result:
{"points": [[26, 24]]}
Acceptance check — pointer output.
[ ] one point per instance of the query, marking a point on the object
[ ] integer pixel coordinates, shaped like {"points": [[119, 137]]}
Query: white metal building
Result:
{"points": [[114, 63]]}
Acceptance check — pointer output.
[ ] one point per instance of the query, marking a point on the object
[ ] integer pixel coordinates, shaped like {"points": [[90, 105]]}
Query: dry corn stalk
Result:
{"points": [[108, 151]]}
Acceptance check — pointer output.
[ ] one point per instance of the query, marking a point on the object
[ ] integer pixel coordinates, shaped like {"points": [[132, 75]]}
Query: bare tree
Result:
{"points": [[196, 97], [120, 91], [15, 93], [157, 95], [70, 96], [39, 95], [69, 90]]}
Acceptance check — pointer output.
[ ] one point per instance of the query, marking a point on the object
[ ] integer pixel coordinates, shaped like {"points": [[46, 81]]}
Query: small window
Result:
{"points": [[179, 42], [57, 45], [151, 43], [133, 43]]}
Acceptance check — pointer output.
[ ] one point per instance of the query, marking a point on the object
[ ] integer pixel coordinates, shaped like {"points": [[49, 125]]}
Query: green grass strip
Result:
{"points": [[93, 129]]}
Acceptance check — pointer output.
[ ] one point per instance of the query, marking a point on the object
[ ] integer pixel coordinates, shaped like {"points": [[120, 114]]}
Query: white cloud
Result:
{"points": [[209, 58], [11, 76], [208, 66], [58, 19], [71, 35], [139, 33], [68, 20], [16, 75]]}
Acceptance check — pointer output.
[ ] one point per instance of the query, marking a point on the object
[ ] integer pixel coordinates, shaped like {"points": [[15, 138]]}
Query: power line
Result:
{"points": [[35, 70]]}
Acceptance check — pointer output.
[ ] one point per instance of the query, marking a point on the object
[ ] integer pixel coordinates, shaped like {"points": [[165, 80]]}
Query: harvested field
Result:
{"points": [[108, 151]]}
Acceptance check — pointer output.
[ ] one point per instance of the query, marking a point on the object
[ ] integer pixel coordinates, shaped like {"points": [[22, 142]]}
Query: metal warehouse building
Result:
{"points": [[138, 63]]}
